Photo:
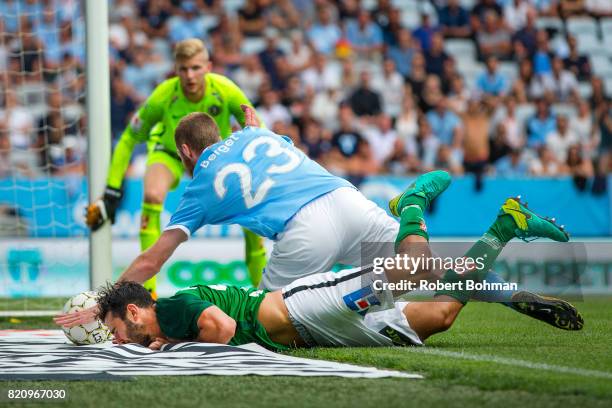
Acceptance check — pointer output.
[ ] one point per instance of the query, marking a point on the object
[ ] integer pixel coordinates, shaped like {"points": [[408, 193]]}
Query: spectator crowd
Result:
{"points": [[506, 87]]}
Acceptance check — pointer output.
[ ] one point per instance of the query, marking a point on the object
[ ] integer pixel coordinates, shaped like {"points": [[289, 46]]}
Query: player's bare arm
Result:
{"points": [[145, 266], [73, 319], [148, 263], [215, 326]]}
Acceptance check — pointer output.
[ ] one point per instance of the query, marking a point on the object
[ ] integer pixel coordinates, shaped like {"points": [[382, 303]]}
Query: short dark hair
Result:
{"points": [[198, 130], [115, 298]]}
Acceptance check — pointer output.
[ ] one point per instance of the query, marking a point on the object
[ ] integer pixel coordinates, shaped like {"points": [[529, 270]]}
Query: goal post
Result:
{"points": [[55, 145], [98, 132]]}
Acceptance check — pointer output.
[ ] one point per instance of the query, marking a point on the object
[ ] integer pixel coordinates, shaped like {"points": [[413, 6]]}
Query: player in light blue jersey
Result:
{"points": [[261, 181], [254, 178]]}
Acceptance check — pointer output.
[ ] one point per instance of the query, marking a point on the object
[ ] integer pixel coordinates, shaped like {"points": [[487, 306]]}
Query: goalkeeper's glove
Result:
{"points": [[104, 209]]}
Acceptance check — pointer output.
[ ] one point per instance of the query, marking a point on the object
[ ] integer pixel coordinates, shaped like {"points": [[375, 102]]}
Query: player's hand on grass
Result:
{"points": [[104, 209], [250, 116], [75, 318]]}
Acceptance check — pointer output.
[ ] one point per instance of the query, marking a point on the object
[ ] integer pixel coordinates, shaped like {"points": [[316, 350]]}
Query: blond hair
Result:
{"points": [[188, 48]]}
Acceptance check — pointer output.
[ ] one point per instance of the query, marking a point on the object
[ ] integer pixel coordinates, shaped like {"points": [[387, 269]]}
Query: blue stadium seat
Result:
{"points": [[606, 30], [608, 45], [558, 44], [162, 48], [411, 18], [590, 45], [335, 66], [367, 65], [406, 4], [605, 24], [233, 5], [284, 44], [369, 4], [466, 62], [582, 25], [608, 86], [38, 110], [252, 45], [470, 69], [510, 69], [468, 4], [565, 109], [601, 65], [548, 23], [72, 112], [458, 48], [585, 90], [31, 93], [209, 21], [523, 112]]}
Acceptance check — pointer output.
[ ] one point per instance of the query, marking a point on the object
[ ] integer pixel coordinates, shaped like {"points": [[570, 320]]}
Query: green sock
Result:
{"points": [[411, 223], [252, 241], [486, 249], [150, 230], [255, 256], [503, 228], [414, 199], [452, 277]]}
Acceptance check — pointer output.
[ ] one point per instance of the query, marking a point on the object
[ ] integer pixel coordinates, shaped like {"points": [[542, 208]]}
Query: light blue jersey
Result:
{"points": [[254, 178]]}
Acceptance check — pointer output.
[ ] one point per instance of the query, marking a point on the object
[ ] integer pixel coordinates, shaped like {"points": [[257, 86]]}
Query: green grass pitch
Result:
{"points": [[491, 357]]}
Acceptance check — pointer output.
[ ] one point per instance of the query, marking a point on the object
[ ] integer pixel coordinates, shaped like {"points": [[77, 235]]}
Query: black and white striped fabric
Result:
{"points": [[45, 354]]}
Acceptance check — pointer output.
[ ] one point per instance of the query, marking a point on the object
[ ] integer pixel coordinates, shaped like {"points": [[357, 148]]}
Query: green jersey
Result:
{"points": [[178, 315], [166, 106]]}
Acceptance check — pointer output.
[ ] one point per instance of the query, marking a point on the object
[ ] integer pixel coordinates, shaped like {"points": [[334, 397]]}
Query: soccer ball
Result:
{"points": [[90, 333]]}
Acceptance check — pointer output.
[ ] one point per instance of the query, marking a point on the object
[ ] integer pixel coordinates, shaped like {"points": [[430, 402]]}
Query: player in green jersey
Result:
{"points": [[336, 309], [194, 89]]}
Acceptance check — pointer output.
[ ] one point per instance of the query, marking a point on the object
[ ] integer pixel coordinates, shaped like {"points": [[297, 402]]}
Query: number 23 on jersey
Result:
{"points": [[274, 149]]}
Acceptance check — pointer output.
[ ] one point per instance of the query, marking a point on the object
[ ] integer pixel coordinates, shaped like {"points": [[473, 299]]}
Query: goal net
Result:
{"points": [[55, 137], [44, 249]]}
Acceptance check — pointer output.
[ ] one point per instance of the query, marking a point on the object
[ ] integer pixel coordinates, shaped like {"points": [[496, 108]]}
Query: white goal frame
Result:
{"points": [[97, 77], [98, 132]]}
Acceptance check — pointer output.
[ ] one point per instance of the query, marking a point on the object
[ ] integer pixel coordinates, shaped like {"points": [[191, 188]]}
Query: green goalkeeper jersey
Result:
{"points": [[165, 108], [178, 315]]}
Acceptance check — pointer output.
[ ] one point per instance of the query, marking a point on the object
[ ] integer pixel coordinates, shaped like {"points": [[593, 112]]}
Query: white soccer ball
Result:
{"points": [[90, 333]]}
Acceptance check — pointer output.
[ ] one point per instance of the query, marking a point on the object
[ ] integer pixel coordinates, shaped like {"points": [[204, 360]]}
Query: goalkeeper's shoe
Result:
{"points": [[428, 186], [555, 312], [104, 209], [529, 225]]}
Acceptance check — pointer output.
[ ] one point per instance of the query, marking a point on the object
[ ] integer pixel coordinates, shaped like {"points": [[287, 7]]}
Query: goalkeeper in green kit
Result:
{"points": [[194, 89]]}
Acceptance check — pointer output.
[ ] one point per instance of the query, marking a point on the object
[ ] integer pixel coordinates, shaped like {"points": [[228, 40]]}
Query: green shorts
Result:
{"points": [[166, 158], [158, 153]]}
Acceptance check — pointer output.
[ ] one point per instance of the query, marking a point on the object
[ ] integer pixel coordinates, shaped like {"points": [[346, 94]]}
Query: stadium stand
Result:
{"points": [[547, 53]]}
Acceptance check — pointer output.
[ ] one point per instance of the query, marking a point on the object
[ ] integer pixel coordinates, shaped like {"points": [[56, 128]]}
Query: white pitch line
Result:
{"points": [[513, 362], [27, 313]]}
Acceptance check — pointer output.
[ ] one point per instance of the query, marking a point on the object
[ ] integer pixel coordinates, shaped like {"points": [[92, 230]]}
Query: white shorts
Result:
{"points": [[341, 309], [327, 231]]}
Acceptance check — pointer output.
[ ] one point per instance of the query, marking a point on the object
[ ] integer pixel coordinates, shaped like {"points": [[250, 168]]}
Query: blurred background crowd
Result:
{"points": [[507, 87]]}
